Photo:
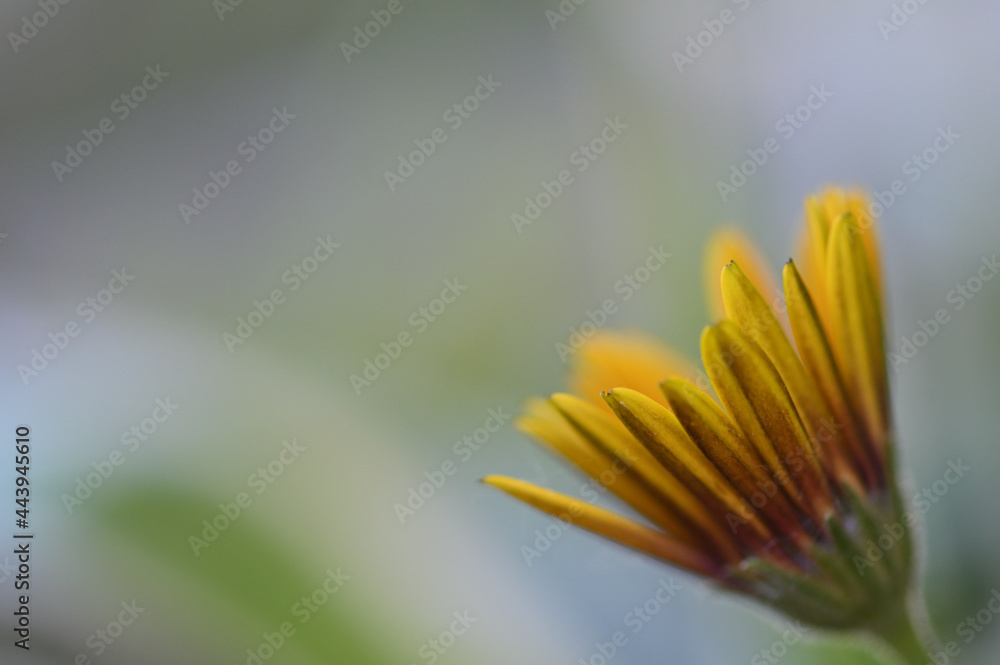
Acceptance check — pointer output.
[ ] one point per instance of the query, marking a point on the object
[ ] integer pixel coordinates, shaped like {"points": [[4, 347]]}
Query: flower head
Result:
{"points": [[770, 473]]}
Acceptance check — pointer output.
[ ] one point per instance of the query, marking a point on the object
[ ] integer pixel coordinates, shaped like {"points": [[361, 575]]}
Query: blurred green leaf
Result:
{"points": [[245, 566]]}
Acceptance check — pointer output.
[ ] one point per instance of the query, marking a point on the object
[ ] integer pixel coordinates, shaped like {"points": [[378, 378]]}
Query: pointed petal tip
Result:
{"points": [[498, 481]]}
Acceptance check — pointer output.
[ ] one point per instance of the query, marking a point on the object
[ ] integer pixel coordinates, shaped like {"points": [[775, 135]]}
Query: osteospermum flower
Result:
{"points": [[772, 472]]}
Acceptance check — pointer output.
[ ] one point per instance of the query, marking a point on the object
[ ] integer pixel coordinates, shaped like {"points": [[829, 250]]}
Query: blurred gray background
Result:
{"points": [[349, 109]]}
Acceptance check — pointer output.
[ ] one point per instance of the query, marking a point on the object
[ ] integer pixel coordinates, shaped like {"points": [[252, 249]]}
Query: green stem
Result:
{"points": [[907, 631]]}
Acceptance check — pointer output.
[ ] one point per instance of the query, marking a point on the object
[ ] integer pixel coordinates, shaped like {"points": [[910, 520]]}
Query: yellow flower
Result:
{"points": [[771, 473]]}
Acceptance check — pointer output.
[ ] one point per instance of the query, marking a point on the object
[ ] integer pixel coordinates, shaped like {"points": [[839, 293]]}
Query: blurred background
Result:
{"points": [[271, 273]]}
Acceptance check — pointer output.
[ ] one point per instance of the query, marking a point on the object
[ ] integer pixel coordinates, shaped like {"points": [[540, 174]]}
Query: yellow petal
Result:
{"points": [[756, 398], [821, 213], [608, 524], [662, 500], [543, 423], [856, 330], [813, 252], [746, 307], [720, 440], [727, 245], [667, 501], [632, 359], [661, 433], [817, 356], [857, 204]]}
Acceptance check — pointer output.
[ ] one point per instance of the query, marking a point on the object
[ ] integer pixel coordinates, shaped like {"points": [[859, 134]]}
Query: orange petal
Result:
{"points": [[630, 359]]}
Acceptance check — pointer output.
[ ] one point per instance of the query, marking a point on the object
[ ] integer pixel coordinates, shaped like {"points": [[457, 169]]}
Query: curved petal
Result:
{"points": [[605, 464], [856, 329], [746, 307], [608, 524], [667, 501], [661, 434], [758, 401], [817, 356], [730, 244], [718, 437], [821, 211]]}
